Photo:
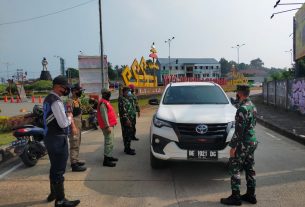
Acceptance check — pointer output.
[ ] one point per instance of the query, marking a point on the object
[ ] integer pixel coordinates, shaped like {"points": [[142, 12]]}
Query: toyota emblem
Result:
{"points": [[201, 129]]}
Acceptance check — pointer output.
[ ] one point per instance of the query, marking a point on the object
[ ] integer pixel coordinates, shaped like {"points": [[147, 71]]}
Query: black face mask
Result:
{"points": [[237, 97], [66, 92], [106, 96], [79, 93]]}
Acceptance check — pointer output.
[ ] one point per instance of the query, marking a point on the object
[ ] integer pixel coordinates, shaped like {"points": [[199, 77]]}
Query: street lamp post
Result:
{"points": [[237, 47], [101, 42], [169, 52], [290, 51]]}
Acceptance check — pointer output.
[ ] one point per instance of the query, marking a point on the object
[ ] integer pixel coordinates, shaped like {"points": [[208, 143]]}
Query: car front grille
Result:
{"points": [[213, 139]]}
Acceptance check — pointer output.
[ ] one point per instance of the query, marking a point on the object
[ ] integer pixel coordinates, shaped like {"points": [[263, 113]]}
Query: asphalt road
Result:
{"points": [[279, 164]]}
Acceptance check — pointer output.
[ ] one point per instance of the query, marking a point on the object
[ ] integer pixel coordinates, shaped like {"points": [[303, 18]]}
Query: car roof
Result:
{"points": [[193, 84]]}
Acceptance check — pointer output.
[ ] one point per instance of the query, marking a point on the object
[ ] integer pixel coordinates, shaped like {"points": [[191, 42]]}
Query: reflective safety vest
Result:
{"points": [[110, 112]]}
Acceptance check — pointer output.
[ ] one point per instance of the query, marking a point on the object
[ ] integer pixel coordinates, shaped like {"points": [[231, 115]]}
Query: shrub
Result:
{"points": [[40, 85]]}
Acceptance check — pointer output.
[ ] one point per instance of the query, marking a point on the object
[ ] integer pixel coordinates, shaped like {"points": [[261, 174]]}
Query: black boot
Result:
{"points": [[51, 196], [107, 162], [232, 200], [129, 151], [77, 168], [61, 201], [79, 163], [249, 196], [113, 159], [135, 139]]}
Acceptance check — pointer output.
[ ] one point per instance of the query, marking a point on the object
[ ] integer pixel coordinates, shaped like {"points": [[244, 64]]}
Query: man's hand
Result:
{"points": [[74, 130], [138, 114], [232, 152], [108, 130]]}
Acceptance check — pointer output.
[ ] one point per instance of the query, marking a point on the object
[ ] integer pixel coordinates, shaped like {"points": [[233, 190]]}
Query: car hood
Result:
{"points": [[209, 114]]}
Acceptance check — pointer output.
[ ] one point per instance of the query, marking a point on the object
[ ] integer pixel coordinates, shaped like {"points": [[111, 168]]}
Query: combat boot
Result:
{"points": [[249, 196], [51, 197], [107, 162], [129, 151], [80, 163], [77, 168], [113, 159], [135, 139], [61, 201], [232, 200]]}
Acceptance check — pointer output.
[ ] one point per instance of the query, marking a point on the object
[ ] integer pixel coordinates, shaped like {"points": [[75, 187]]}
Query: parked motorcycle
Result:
{"points": [[29, 144]]}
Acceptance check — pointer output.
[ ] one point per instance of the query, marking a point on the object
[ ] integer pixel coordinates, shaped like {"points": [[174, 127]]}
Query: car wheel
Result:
{"points": [[156, 163]]}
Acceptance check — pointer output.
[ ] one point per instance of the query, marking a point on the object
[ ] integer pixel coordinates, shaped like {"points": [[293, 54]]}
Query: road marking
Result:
{"points": [[10, 170], [271, 135]]}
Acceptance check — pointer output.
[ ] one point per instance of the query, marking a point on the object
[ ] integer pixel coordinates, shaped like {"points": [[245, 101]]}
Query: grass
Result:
{"points": [[6, 138]]}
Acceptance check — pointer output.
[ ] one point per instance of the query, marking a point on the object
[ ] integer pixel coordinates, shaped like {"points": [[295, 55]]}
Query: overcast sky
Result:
{"points": [[202, 29]]}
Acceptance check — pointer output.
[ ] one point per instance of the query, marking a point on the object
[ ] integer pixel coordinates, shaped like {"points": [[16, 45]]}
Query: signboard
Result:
{"points": [[90, 74], [299, 27]]}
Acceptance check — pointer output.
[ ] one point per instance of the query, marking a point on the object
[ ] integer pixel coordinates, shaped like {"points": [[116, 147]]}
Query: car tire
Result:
{"points": [[156, 163]]}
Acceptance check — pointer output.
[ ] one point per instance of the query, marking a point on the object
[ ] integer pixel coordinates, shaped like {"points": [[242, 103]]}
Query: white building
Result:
{"points": [[189, 67]]}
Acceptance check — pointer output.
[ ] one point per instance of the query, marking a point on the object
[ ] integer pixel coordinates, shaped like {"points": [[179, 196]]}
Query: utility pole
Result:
{"points": [[169, 53], [101, 42], [7, 73]]}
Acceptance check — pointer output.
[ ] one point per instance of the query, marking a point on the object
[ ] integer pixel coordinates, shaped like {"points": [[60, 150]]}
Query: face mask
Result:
{"points": [[237, 97], [79, 93], [106, 96], [66, 92], [129, 93]]}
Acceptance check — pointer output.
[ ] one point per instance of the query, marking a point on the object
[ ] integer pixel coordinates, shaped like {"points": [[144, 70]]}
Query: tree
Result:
{"points": [[72, 73], [225, 66], [256, 63], [111, 72]]}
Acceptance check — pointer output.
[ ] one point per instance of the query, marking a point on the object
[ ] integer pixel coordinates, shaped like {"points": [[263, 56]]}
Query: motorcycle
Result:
{"points": [[29, 144]]}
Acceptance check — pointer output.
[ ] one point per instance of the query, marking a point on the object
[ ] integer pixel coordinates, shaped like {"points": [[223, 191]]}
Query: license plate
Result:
{"points": [[18, 143], [202, 154]]}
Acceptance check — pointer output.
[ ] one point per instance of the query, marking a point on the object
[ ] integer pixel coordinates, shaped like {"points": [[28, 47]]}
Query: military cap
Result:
{"points": [[242, 88], [77, 87]]}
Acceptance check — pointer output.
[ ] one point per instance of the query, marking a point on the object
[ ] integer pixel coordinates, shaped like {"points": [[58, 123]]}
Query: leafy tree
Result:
{"points": [[225, 66], [256, 63], [72, 73], [111, 72]]}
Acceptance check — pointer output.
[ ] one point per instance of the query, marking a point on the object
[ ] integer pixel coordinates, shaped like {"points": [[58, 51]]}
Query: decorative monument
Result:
{"points": [[142, 74], [45, 74]]}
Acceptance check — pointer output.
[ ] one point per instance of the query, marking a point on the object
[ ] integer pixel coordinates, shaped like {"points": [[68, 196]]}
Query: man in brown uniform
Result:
{"points": [[74, 106]]}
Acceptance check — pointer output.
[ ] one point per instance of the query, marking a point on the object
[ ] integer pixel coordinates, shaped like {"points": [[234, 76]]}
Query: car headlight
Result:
{"points": [[160, 123]]}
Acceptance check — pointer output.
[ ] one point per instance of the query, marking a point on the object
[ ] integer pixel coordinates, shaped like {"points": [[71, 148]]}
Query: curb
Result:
{"points": [[281, 131]]}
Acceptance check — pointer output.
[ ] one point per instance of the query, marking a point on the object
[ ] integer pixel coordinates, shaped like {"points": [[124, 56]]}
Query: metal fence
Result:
{"points": [[286, 94]]}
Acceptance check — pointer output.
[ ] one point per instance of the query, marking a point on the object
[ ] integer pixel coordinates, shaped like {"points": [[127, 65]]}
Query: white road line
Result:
{"points": [[10, 170], [18, 165], [271, 135]]}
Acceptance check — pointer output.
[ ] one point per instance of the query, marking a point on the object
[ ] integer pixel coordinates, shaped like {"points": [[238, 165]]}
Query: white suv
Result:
{"points": [[194, 121]]}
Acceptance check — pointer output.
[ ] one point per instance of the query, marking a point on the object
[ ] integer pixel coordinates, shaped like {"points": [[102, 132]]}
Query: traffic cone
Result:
{"points": [[12, 99], [39, 100], [33, 99], [5, 99]]}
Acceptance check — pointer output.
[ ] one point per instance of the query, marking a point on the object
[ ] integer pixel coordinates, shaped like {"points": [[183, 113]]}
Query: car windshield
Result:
{"points": [[194, 95]]}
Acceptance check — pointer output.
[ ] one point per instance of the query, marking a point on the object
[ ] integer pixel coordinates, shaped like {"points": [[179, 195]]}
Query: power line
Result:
{"points": [[45, 15]]}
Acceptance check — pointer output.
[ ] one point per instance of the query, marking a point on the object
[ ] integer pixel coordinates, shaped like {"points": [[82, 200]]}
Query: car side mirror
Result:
{"points": [[153, 101], [233, 101]]}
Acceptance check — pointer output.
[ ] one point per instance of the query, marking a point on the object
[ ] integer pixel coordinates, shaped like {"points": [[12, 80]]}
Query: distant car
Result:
{"points": [[194, 121]]}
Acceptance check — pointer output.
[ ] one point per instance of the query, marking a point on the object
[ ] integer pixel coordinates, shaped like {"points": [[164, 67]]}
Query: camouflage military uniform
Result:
{"points": [[136, 109], [74, 106], [126, 112], [244, 140]]}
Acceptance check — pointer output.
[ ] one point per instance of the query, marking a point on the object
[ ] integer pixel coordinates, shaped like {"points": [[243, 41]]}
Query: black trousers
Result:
{"points": [[57, 146]]}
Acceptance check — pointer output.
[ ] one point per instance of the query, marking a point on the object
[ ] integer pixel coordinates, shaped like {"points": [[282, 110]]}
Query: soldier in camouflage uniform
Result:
{"points": [[134, 100], [126, 112], [243, 145], [74, 106]]}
